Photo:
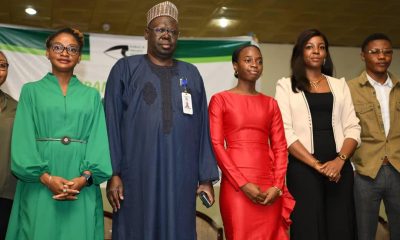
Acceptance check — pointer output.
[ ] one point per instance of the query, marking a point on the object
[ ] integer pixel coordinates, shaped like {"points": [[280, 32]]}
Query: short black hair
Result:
{"points": [[236, 53], [373, 37], [73, 32]]}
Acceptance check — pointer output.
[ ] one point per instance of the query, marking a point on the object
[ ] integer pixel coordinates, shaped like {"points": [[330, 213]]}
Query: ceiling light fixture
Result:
{"points": [[223, 22], [30, 11], [106, 27]]}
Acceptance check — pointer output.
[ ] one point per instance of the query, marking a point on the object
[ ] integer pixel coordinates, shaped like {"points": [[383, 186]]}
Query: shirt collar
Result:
{"points": [[387, 83]]}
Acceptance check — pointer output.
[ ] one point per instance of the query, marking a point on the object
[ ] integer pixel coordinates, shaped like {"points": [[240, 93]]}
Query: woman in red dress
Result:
{"points": [[249, 142]]}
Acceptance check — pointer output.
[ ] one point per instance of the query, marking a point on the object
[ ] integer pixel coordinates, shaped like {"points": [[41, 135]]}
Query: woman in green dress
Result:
{"points": [[59, 151]]}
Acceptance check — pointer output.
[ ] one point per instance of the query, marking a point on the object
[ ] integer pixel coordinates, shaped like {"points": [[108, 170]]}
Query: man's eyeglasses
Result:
{"points": [[59, 48], [161, 31], [4, 66], [384, 51]]}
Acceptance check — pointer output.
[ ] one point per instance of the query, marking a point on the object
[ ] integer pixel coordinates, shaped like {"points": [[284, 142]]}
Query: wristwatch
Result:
{"points": [[342, 156], [88, 177]]}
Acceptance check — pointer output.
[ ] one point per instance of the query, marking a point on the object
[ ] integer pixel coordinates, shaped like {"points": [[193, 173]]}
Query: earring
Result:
{"points": [[324, 61]]}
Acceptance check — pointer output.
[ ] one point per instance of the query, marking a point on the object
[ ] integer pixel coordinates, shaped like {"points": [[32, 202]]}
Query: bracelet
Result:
{"points": [[278, 190], [342, 157]]}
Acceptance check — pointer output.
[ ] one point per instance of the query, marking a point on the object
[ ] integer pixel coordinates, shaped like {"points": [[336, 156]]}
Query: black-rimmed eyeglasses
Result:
{"points": [[59, 48]]}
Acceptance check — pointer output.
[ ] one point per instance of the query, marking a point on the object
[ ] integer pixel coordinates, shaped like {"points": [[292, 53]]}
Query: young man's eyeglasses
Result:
{"points": [[59, 48], [161, 31], [384, 51], [4, 66]]}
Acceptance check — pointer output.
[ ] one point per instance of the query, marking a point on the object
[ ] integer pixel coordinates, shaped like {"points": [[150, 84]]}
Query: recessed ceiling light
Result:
{"points": [[106, 27], [224, 8], [223, 22], [30, 11]]}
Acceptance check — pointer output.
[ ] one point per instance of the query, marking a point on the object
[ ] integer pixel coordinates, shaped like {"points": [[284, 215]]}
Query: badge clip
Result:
{"points": [[187, 106]]}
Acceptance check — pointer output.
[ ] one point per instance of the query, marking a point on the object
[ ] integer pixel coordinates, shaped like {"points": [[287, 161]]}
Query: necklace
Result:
{"points": [[315, 84]]}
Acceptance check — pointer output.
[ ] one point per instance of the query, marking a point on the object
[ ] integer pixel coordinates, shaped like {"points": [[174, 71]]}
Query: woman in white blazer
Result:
{"points": [[322, 132]]}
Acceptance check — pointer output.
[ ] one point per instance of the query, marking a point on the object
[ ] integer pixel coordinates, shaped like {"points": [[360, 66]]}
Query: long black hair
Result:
{"points": [[299, 79]]}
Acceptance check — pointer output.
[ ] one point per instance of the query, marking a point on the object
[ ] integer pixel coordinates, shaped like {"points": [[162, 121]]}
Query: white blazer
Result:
{"points": [[297, 119]]}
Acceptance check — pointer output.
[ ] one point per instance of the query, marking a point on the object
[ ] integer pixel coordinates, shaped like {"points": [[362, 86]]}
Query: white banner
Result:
{"points": [[25, 50]]}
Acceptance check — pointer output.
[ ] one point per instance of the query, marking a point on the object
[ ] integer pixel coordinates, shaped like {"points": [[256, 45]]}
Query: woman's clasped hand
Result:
{"points": [[255, 194], [62, 188]]}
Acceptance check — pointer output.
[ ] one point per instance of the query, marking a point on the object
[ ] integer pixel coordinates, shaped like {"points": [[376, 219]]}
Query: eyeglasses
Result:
{"points": [[384, 51], [161, 31], [4, 66], [59, 48]]}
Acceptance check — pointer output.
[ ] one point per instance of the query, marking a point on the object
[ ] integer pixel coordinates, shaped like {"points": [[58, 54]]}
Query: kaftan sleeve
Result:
{"points": [[113, 109], [26, 162], [208, 170], [228, 167], [278, 146], [97, 158]]}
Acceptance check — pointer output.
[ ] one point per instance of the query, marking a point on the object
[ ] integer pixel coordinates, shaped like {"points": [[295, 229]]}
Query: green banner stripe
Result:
{"points": [[85, 57], [206, 48], [34, 40], [14, 48], [207, 59]]}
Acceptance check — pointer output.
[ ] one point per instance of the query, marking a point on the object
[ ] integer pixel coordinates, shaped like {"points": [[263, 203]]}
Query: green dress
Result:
{"points": [[44, 112]]}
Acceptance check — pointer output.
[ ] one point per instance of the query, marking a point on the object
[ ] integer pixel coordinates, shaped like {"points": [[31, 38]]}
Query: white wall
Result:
{"points": [[346, 60]]}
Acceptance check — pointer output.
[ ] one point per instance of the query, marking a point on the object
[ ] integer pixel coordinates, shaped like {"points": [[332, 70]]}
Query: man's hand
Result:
{"points": [[115, 192], [208, 188]]}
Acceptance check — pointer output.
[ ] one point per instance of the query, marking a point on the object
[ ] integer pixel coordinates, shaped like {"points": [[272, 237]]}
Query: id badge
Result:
{"points": [[187, 103]]}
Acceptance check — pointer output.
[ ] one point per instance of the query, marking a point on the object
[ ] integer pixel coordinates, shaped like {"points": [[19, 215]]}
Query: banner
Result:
{"points": [[25, 50]]}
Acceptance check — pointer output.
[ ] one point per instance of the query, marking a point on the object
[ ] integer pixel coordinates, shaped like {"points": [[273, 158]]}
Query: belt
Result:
{"points": [[64, 140], [385, 161]]}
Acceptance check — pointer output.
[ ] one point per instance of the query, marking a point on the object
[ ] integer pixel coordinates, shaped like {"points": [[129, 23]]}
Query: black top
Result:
{"points": [[321, 106]]}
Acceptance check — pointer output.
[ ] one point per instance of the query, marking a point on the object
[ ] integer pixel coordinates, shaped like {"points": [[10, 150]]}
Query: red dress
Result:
{"points": [[256, 152]]}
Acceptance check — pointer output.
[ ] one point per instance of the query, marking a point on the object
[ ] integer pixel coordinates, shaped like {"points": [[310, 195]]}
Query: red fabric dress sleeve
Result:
{"points": [[229, 169], [280, 158], [278, 146]]}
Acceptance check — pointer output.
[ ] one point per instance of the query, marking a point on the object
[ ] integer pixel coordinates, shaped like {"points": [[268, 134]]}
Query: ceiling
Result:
{"points": [[345, 22]]}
